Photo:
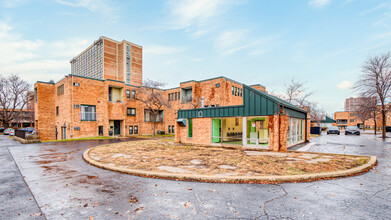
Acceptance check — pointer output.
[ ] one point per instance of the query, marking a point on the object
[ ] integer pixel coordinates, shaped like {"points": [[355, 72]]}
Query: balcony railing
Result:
{"points": [[88, 116]]}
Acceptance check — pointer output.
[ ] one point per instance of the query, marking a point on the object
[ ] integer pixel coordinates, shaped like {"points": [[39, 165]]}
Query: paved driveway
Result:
{"points": [[53, 179]]}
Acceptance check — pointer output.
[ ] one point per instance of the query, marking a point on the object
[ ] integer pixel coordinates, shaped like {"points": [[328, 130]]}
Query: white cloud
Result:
{"points": [[198, 17], [104, 7], [345, 85], [36, 58], [162, 50], [318, 3], [233, 41], [190, 12], [376, 8]]}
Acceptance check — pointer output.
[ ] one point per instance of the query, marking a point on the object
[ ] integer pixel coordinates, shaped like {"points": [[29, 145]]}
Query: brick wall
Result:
{"points": [[45, 111], [202, 132]]}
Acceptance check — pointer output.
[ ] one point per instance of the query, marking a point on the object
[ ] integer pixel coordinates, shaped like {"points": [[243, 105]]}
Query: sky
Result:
{"points": [[320, 42]]}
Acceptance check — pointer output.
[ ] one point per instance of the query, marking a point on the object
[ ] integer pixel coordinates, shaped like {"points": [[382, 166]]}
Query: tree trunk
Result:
{"points": [[153, 130], [383, 126], [5, 124], [375, 125]]}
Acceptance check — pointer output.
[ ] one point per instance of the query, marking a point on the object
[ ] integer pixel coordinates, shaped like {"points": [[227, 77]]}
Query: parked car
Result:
{"points": [[28, 130], [7, 131], [388, 128], [1, 129], [352, 130], [12, 132], [333, 130]]}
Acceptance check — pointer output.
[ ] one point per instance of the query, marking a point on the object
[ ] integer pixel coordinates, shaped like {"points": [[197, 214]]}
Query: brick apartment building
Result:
{"points": [[99, 97], [349, 117], [23, 117]]}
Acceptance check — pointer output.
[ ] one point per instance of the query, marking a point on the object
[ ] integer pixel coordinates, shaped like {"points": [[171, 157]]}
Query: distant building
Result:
{"points": [[353, 104], [327, 122]]}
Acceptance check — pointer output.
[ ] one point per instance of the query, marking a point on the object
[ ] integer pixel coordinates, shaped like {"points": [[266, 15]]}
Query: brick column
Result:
{"points": [[283, 144], [273, 133]]}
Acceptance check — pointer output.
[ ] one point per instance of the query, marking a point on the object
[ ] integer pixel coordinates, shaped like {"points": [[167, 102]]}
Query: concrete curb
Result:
{"points": [[236, 179]]}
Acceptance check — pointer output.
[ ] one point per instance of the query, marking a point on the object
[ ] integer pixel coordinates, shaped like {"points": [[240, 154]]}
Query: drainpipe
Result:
{"points": [[279, 126], [72, 126], [306, 128]]}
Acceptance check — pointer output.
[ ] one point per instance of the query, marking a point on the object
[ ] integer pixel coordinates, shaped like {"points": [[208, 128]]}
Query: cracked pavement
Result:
{"points": [[52, 181]]}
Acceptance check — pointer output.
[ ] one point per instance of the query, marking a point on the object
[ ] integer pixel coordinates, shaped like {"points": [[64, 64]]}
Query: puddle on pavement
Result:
{"points": [[345, 144]]}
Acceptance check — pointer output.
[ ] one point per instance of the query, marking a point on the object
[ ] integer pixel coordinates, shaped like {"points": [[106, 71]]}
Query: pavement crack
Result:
{"points": [[278, 197]]}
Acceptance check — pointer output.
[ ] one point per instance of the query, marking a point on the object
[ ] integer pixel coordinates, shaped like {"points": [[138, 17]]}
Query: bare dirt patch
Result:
{"points": [[152, 155]]}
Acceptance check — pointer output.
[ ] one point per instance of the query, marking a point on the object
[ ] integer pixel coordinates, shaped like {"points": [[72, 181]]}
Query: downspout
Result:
{"points": [[279, 126], [306, 128], [72, 111]]}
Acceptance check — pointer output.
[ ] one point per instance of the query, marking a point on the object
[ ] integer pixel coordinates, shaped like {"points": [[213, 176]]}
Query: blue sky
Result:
{"points": [[321, 42]]}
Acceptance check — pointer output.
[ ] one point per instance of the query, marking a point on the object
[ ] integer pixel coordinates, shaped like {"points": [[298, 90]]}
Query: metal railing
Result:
{"points": [[88, 116]]}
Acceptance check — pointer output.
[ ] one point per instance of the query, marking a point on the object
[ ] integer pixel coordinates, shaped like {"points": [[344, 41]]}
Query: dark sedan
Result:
{"points": [[333, 130], [352, 130]]}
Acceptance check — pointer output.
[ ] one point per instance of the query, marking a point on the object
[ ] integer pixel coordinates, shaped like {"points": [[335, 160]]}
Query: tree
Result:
{"points": [[375, 80], [317, 114], [152, 96], [295, 93], [13, 98], [367, 109]]}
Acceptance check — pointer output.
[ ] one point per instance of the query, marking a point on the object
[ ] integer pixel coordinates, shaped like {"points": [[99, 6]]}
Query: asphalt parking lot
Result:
{"points": [[52, 181]]}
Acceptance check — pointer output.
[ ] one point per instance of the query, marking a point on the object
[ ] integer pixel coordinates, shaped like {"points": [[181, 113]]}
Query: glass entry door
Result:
{"points": [[216, 130]]}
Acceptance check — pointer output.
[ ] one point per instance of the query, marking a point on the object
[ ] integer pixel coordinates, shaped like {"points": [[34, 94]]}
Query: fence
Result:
{"points": [[20, 134]]}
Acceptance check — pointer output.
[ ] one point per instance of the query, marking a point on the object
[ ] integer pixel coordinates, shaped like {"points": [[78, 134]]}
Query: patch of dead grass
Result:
{"points": [[149, 154]]}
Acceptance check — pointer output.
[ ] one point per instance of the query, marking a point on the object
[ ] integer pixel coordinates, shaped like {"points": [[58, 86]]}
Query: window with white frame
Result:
{"points": [[87, 112]]}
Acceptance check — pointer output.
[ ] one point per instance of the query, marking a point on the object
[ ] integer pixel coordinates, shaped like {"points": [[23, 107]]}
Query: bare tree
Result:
{"points": [[13, 98], [375, 80], [367, 109], [295, 93], [317, 114], [152, 96]]}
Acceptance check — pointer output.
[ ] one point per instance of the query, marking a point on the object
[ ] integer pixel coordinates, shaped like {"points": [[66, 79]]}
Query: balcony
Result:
{"points": [[87, 116], [342, 121]]}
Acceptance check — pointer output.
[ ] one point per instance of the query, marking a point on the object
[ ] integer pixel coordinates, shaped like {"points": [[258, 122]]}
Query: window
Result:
{"points": [[236, 91], [76, 106], [100, 130], [36, 94], [133, 94], [190, 129], [351, 120], [172, 129], [128, 94], [217, 85], [169, 129], [176, 96], [131, 112], [169, 96], [88, 113], [60, 90], [233, 90], [76, 128], [56, 110], [130, 129], [179, 95], [76, 84], [149, 116], [135, 129], [187, 95]]}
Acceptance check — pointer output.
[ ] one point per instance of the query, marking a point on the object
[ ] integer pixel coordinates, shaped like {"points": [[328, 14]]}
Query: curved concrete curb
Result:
{"points": [[236, 179]]}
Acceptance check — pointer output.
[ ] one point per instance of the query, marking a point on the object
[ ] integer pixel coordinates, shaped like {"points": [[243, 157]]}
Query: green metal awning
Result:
{"points": [[255, 103]]}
